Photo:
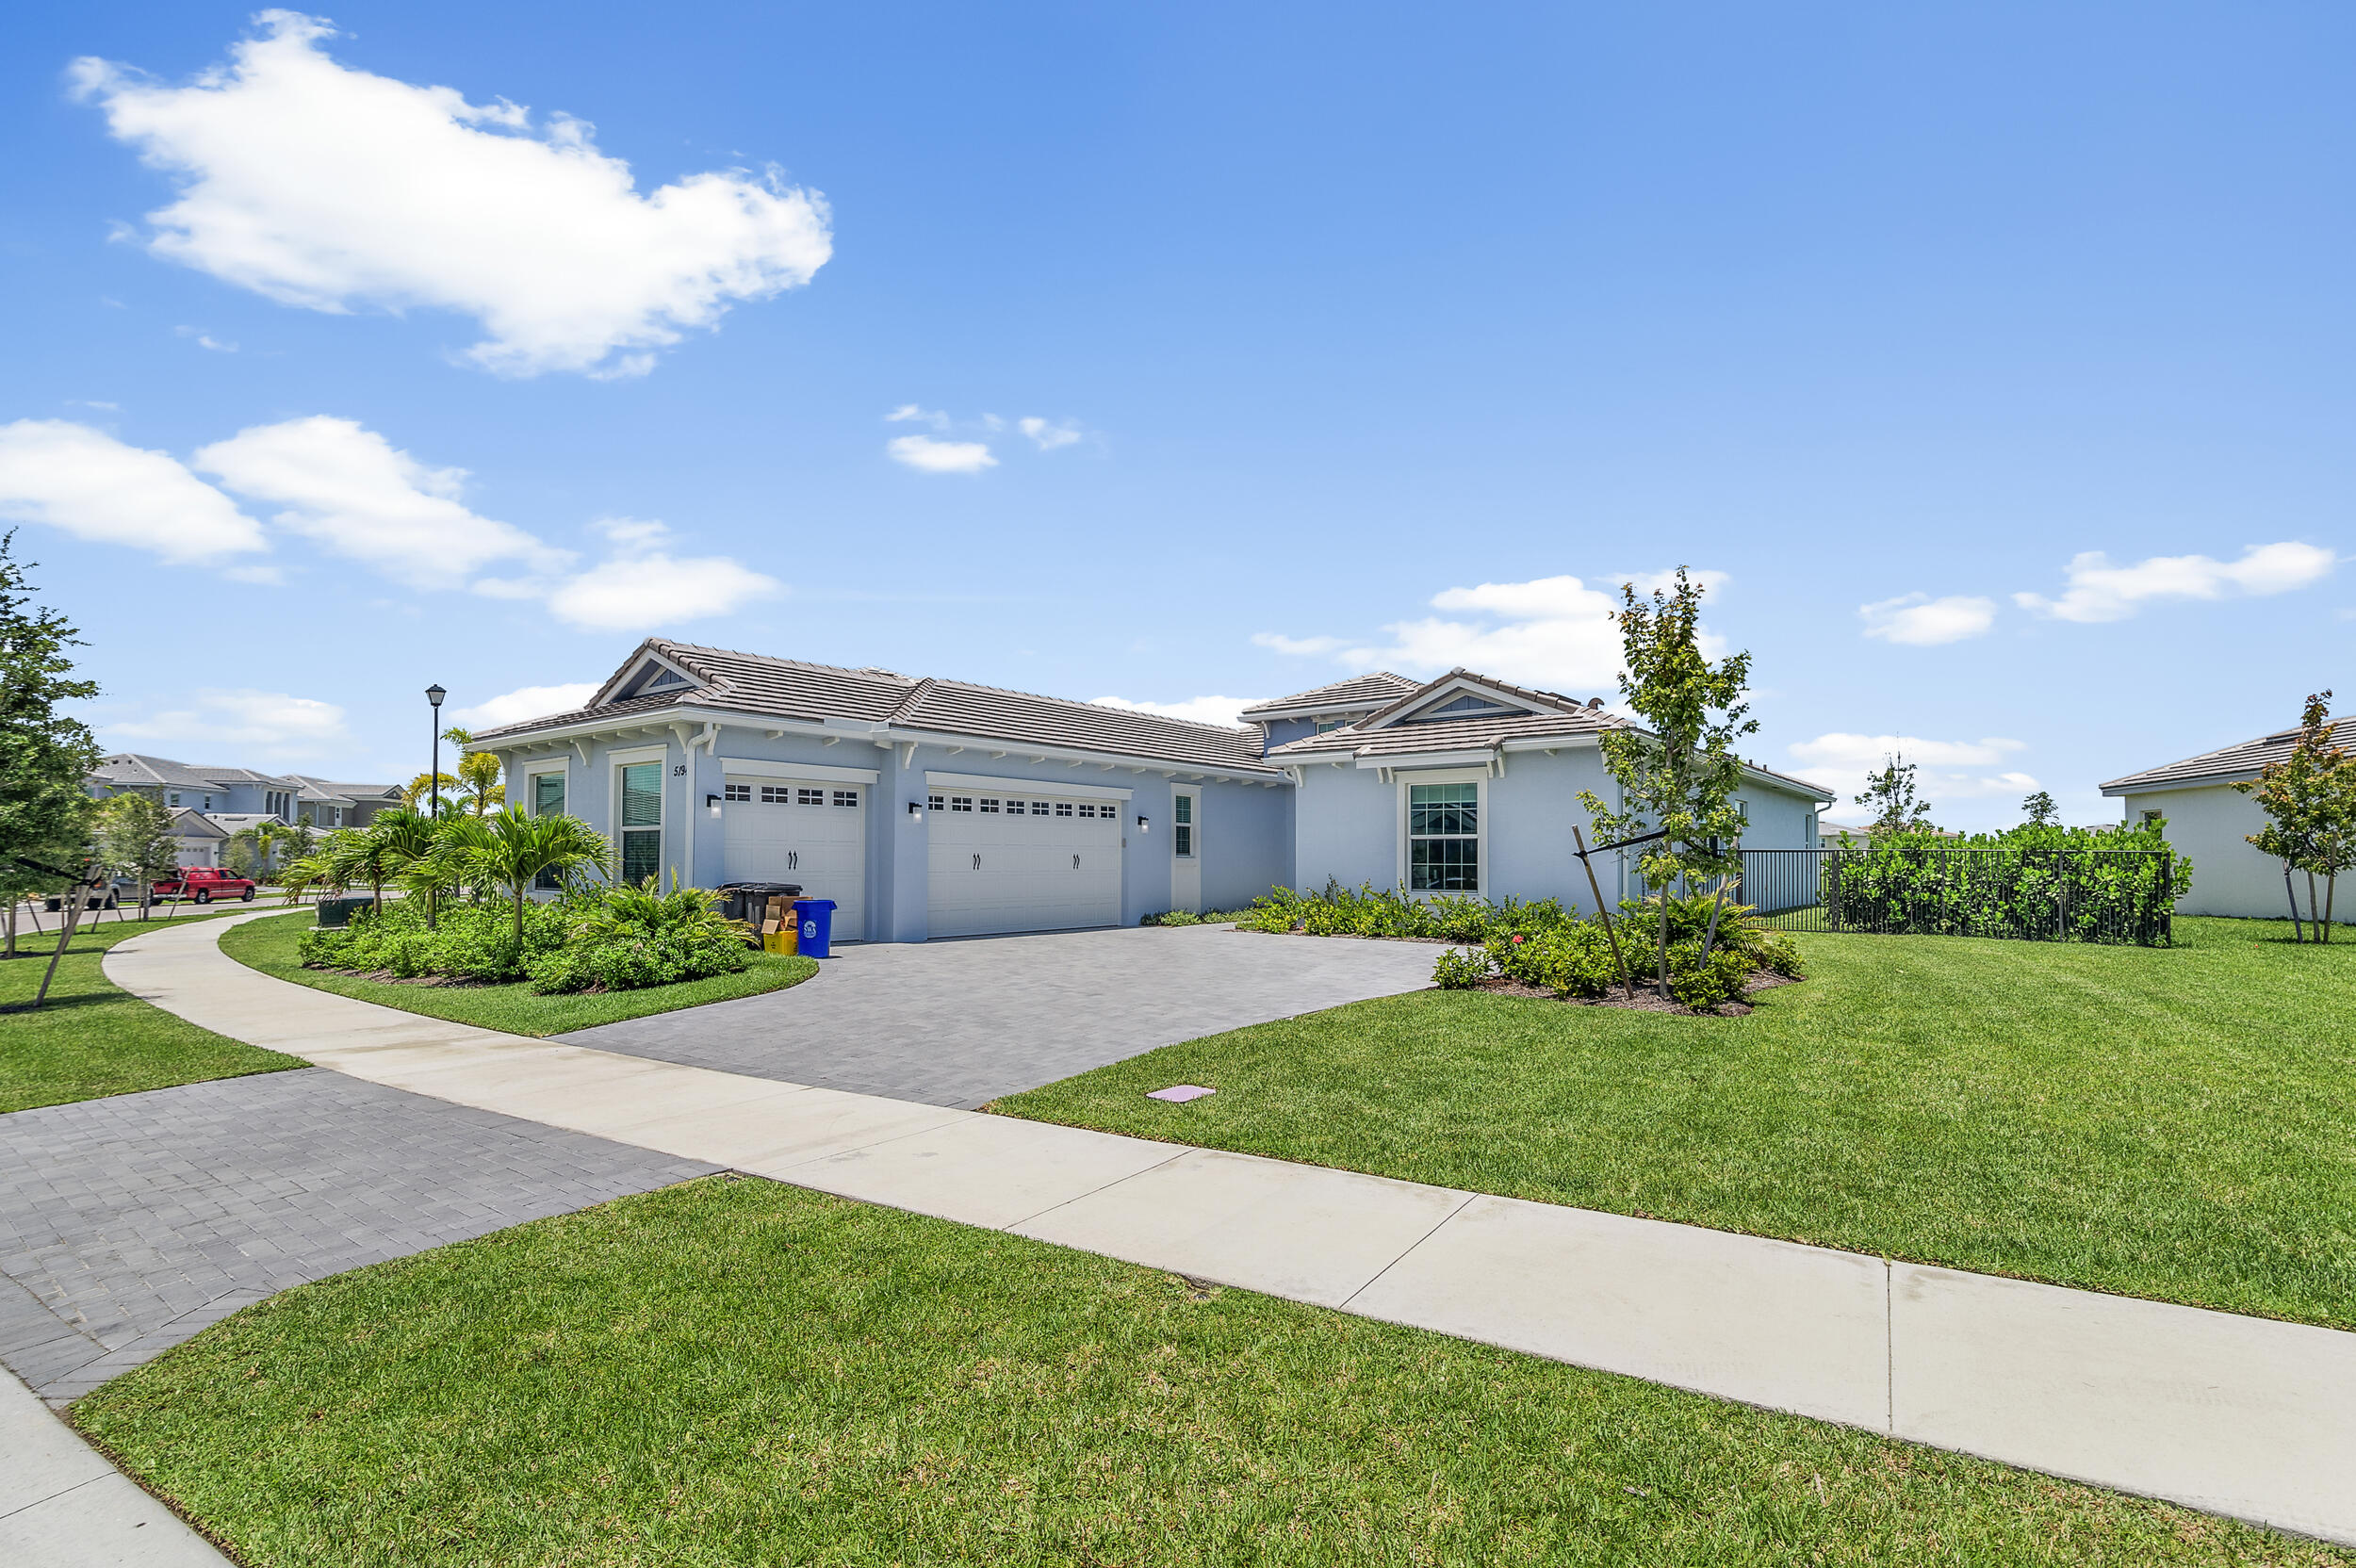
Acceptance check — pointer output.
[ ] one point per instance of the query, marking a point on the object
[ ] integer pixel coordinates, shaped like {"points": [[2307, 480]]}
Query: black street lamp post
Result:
{"points": [[434, 696]]}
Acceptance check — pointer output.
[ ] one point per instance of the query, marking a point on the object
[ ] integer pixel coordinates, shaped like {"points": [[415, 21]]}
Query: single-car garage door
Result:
{"points": [[1020, 863], [777, 831]]}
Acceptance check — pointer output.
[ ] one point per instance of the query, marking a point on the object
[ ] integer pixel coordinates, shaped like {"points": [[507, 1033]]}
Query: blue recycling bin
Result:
{"points": [[817, 917]]}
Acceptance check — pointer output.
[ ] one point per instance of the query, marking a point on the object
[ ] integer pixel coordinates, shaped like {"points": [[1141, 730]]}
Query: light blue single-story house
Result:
{"points": [[931, 808]]}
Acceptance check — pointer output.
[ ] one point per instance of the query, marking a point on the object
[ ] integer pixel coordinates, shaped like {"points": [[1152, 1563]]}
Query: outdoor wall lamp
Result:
{"points": [[1145, 824], [916, 810], [712, 804]]}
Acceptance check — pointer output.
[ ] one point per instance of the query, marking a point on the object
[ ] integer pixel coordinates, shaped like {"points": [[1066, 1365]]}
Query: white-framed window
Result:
{"points": [[1063, 808], [1325, 724], [1014, 808], [1038, 808], [547, 800], [1085, 810], [174, 801], [989, 806], [737, 791], [846, 797], [938, 803], [960, 803], [640, 792], [1182, 825], [1444, 838]]}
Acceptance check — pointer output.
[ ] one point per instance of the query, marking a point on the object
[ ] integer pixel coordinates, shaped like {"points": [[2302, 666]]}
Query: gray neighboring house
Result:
{"points": [[929, 808], [2209, 821], [194, 787], [328, 804]]}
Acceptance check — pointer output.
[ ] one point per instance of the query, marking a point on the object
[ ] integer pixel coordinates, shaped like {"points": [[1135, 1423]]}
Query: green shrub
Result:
{"points": [[1773, 949], [617, 938], [1572, 960], [1702, 985], [1459, 970]]}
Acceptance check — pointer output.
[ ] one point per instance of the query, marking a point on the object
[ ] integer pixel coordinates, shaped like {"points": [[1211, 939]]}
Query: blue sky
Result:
{"points": [[1994, 358]]}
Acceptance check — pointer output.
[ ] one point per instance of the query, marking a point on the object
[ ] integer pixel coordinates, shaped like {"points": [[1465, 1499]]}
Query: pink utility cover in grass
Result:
{"points": [[1180, 1093]]}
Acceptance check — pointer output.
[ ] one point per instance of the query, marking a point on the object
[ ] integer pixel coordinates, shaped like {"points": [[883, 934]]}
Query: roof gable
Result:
{"points": [[652, 670], [1462, 694], [1360, 694]]}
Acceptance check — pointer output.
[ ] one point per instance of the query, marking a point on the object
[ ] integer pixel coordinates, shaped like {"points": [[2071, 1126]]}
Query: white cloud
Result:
{"points": [[327, 188], [85, 481], [1296, 648], [1221, 711], [906, 412], [248, 720], [205, 340], [1048, 437], [2099, 591], [1554, 632], [926, 456], [643, 587], [358, 496], [1923, 621], [525, 702], [1945, 770]]}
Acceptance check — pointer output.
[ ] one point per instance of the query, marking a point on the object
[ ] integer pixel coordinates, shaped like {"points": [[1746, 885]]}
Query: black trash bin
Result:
{"points": [[749, 901]]}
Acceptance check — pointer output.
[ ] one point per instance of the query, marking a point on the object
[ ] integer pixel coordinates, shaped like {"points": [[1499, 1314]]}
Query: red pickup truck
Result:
{"points": [[204, 884]]}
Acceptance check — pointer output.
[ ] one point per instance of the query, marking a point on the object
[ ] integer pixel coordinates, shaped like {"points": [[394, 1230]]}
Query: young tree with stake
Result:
{"points": [[1676, 777], [2310, 801]]}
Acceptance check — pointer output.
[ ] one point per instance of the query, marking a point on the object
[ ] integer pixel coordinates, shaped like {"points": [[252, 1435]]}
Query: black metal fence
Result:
{"points": [[2124, 896]]}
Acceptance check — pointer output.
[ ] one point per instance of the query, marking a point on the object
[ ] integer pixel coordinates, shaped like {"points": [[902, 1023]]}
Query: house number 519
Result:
{"points": [[679, 770]]}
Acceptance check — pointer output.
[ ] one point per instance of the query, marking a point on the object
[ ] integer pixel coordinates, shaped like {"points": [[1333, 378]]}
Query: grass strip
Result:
{"points": [[268, 945], [92, 1038], [733, 1372], [2167, 1122]]}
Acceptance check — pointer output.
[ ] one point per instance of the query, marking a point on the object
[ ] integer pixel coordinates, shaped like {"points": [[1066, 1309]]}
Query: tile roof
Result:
{"points": [[1359, 690], [135, 768], [2214, 767], [317, 789], [792, 689], [132, 768]]}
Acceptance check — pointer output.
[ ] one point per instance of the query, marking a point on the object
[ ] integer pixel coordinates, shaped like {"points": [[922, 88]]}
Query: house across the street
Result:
{"points": [[211, 805], [2209, 821], [931, 808]]}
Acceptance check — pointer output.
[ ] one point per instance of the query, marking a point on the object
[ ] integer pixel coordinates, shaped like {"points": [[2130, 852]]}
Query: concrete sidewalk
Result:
{"points": [[63, 1506], [2238, 1415]]}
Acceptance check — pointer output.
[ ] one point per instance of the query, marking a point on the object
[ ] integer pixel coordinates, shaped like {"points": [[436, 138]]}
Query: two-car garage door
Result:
{"points": [[1027, 861]]}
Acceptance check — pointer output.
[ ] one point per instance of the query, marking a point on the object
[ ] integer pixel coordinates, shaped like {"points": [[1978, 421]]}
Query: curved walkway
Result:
{"points": [[2238, 1415]]}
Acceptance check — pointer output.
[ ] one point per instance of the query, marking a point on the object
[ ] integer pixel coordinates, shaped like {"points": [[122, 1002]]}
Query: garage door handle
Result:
{"points": [[977, 862], [1075, 862], [792, 860]]}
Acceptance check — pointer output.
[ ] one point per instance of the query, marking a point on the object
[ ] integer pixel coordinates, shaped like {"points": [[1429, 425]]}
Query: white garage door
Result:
{"points": [[777, 831], [1020, 863]]}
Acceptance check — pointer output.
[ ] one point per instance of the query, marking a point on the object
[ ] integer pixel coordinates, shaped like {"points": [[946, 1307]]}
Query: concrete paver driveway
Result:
{"points": [[963, 1023]]}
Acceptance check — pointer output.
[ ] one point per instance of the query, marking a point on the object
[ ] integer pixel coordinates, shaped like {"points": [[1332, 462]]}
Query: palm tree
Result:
{"points": [[480, 772], [420, 789], [512, 849], [404, 841]]}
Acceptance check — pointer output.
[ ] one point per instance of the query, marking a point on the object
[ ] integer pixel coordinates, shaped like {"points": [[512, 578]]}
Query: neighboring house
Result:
{"points": [[2210, 821], [928, 807], [183, 786], [200, 839], [1469, 785], [328, 804]]}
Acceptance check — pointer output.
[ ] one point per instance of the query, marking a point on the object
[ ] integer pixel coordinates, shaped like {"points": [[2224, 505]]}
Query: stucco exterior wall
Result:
{"points": [[1350, 826], [1245, 827], [2210, 824]]}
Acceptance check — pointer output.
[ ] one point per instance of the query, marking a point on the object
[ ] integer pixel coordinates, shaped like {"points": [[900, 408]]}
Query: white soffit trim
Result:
{"points": [[1551, 742], [754, 767], [1416, 763], [622, 759], [1023, 785], [1445, 776]]}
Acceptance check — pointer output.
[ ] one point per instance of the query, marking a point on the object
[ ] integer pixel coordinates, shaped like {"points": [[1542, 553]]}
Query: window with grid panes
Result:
{"points": [[547, 800], [777, 795], [846, 797], [737, 791], [642, 821], [1444, 838]]}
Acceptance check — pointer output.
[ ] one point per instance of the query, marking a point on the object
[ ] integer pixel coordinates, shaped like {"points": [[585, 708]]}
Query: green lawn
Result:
{"points": [[268, 945], [2174, 1122], [91, 1038], [737, 1372]]}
